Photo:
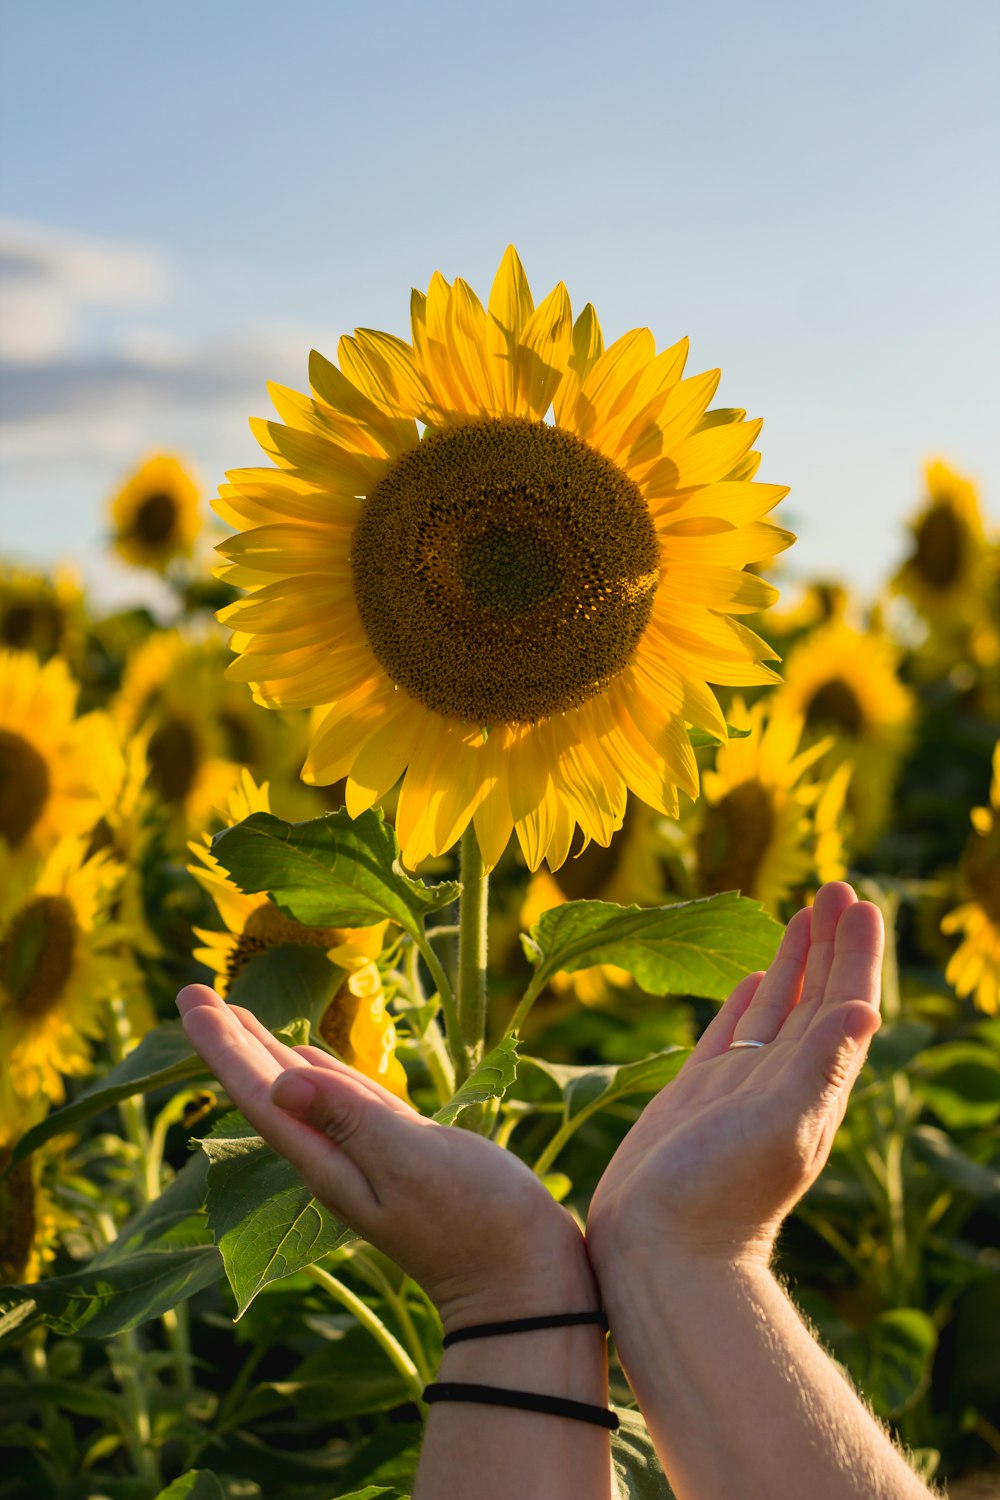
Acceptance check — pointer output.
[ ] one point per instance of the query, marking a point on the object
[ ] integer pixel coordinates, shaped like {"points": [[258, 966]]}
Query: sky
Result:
{"points": [[193, 196]]}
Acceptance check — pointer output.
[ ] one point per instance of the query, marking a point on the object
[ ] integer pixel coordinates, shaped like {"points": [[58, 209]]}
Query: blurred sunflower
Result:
{"points": [[844, 683], [521, 615], [126, 828], [58, 968], [974, 967], [756, 825], [817, 603], [155, 514], [30, 1219], [50, 762], [627, 872], [356, 1023], [945, 571], [40, 614]]}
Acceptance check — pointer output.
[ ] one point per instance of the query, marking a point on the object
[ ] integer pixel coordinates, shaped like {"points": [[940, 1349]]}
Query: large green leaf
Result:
{"points": [[345, 1378], [591, 1087], [701, 947], [334, 871], [961, 1083], [490, 1080], [266, 1222], [638, 1475], [100, 1300]]}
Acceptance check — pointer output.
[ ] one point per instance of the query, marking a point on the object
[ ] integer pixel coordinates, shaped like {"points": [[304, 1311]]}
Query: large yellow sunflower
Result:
{"points": [[974, 967], [155, 513], [30, 1219], [50, 762], [844, 683], [521, 615], [356, 1023], [756, 827], [58, 967], [945, 572]]}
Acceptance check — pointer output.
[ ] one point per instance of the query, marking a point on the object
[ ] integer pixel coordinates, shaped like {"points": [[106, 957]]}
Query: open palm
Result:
{"points": [[719, 1157]]}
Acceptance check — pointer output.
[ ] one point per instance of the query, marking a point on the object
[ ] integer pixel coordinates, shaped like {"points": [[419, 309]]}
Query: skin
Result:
{"points": [[739, 1398]]}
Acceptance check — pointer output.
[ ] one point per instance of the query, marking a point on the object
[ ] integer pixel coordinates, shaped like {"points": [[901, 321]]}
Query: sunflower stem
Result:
{"points": [[373, 1324], [473, 909]]}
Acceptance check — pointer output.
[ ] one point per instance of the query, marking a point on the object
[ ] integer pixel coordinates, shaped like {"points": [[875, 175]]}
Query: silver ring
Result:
{"points": [[733, 1045]]}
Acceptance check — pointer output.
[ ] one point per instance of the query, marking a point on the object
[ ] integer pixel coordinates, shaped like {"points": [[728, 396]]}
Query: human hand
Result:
{"points": [[720, 1156], [469, 1221]]}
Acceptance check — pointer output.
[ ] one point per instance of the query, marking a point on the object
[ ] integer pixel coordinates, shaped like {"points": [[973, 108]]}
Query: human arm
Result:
{"points": [[470, 1222], [739, 1397]]}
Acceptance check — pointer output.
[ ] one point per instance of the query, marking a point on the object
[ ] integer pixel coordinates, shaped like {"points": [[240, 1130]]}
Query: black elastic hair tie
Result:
{"points": [[525, 1325], [494, 1395]]}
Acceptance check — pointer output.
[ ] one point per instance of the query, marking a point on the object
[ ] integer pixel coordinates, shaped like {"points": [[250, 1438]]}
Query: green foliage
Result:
{"points": [[702, 947], [265, 1222], [329, 872], [490, 1080]]}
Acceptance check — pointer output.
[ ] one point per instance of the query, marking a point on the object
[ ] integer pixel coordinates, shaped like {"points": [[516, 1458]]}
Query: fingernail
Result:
{"points": [[293, 1092]]}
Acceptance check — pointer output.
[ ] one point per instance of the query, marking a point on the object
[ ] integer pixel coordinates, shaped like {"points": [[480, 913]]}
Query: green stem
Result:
{"points": [[565, 1132], [445, 993], [125, 1358], [397, 1301], [527, 1000], [370, 1321], [438, 1060], [471, 956]]}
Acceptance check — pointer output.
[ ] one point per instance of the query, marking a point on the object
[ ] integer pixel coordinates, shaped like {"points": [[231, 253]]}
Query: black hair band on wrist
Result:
{"points": [[494, 1395], [525, 1325]]}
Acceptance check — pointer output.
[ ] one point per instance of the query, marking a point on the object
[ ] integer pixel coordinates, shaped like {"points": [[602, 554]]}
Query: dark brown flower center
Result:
{"points": [[735, 835], [835, 706], [36, 955], [941, 544], [24, 787], [174, 758], [35, 625], [155, 519], [338, 1018], [504, 571], [17, 1220]]}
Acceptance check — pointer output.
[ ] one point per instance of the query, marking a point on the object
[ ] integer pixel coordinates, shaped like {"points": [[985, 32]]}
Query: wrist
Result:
{"points": [[543, 1275]]}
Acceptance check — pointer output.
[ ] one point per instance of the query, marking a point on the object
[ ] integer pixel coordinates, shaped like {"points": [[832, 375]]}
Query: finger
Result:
{"points": [[779, 990], [855, 971], [321, 1059], [719, 1032], [247, 1071], [824, 1064], [368, 1132], [832, 901], [284, 1056]]}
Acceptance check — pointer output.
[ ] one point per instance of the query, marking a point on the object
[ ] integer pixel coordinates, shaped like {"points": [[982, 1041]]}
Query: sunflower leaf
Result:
{"points": [[701, 738], [266, 1222], [334, 871], [98, 1301], [490, 1080], [701, 947], [585, 1089], [637, 1470]]}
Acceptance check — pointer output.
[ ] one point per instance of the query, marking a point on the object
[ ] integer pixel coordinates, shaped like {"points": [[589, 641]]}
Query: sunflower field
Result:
{"points": [[488, 655]]}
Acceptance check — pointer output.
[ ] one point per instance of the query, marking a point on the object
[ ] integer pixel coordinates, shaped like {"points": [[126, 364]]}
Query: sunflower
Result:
{"points": [[155, 514], [30, 1219], [521, 615], [974, 967], [944, 573], [845, 684], [627, 872], [356, 1023], [756, 829], [126, 828], [41, 614], [58, 967], [51, 764]]}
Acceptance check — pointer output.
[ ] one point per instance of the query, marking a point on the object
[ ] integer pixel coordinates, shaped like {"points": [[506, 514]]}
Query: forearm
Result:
{"points": [[473, 1452], [738, 1396]]}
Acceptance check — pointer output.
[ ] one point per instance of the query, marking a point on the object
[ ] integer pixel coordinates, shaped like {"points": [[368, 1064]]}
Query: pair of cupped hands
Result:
{"points": [[706, 1175]]}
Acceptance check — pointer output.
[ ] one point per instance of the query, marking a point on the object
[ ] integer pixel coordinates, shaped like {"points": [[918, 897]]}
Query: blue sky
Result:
{"points": [[194, 195]]}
